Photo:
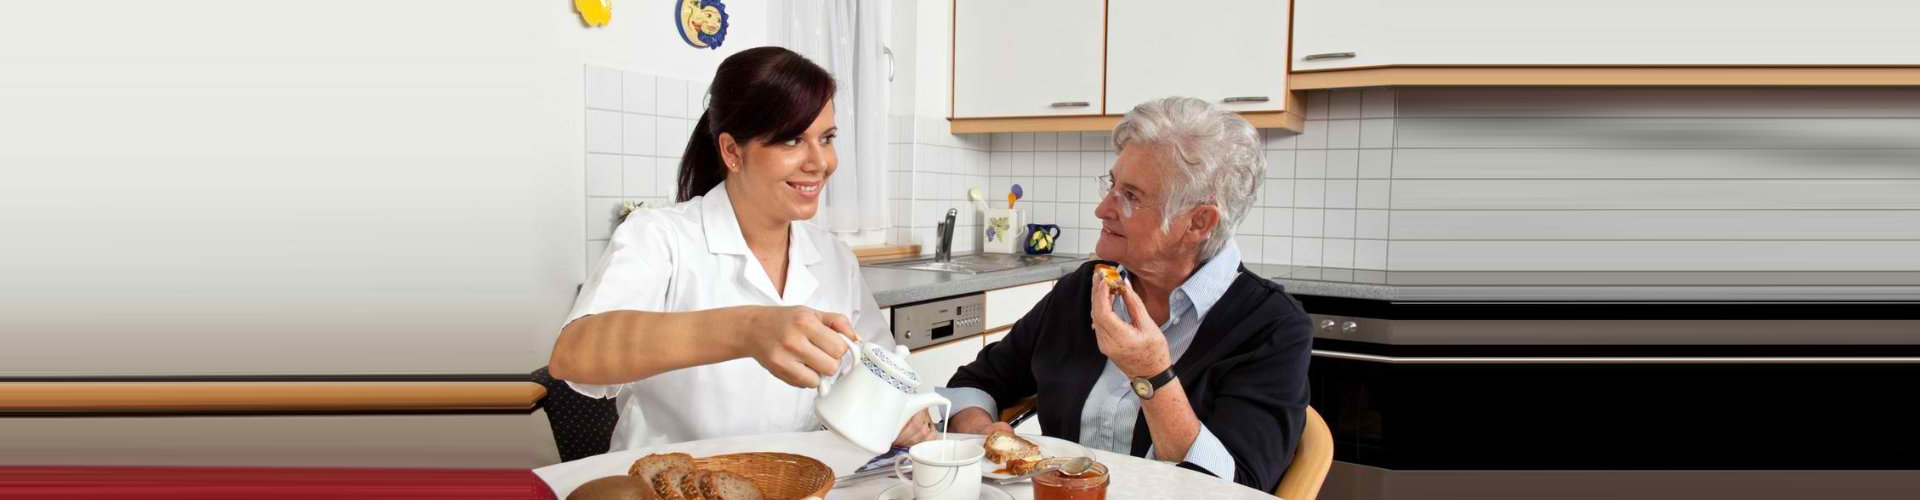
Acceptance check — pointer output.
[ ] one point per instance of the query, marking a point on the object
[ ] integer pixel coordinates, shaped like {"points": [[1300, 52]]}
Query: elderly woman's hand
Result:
{"points": [[1137, 348]]}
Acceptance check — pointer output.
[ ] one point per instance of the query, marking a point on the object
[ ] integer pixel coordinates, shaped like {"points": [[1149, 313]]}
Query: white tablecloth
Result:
{"points": [[1132, 477]]}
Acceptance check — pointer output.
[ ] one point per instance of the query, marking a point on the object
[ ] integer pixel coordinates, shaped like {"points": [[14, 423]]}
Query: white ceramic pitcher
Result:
{"points": [[872, 396]]}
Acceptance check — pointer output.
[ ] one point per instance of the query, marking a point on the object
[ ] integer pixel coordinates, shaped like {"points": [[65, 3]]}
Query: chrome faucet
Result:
{"points": [[943, 253]]}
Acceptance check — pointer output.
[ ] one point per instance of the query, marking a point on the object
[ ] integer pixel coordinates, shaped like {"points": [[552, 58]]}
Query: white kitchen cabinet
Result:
{"points": [[1232, 53], [1603, 33], [1021, 58], [1007, 305], [937, 363]]}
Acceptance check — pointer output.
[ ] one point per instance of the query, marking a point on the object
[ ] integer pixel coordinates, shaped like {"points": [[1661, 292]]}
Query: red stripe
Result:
{"points": [[221, 483]]}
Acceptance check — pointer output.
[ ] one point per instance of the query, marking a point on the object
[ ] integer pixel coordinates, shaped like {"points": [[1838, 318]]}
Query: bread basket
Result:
{"points": [[780, 476]]}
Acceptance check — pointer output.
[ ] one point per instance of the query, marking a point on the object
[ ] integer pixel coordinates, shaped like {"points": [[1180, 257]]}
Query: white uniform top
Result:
{"points": [[691, 257]]}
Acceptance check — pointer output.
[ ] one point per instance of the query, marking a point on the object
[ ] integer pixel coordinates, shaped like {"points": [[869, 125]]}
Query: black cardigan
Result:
{"points": [[1245, 372]]}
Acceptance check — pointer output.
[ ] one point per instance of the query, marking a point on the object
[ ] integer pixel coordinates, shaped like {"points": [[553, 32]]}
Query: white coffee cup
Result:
{"points": [[943, 469]]}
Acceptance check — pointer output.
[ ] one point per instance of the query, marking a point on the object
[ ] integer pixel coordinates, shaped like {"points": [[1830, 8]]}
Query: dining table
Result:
{"points": [[1131, 477]]}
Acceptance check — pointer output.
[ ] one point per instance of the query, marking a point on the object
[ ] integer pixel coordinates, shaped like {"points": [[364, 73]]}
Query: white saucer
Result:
{"points": [[905, 492]]}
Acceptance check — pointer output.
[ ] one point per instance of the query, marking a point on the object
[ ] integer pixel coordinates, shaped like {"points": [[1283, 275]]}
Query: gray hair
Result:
{"points": [[1217, 154]]}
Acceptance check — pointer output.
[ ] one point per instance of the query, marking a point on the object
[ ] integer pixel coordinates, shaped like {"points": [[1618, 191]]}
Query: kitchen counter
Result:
{"points": [[892, 287], [1596, 286]]}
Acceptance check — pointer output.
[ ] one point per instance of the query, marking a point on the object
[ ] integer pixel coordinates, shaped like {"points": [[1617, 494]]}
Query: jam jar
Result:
{"points": [[1058, 485]]}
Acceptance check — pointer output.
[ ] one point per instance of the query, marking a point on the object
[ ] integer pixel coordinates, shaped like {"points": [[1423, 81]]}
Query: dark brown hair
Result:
{"points": [[764, 94]]}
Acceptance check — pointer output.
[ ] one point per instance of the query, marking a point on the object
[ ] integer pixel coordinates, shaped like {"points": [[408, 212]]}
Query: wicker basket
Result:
{"points": [[780, 476]]}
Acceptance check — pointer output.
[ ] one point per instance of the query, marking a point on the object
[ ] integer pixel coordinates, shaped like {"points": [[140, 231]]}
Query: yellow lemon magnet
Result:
{"points": [[594, 12], [703, 23]]}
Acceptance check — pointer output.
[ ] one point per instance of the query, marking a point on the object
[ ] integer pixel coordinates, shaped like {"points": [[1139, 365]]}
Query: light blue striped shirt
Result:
{"points": [[1107, 420]]}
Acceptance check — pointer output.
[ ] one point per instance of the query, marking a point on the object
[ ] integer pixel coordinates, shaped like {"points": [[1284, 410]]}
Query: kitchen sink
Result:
{"points": [[978, 263]]}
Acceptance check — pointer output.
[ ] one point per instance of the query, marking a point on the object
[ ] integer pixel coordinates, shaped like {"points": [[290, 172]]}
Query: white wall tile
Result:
{"points": [[1309, 222], [603, 88], [1044, 189], [1279, 138], [1093, 164], [1253, 223], [1343, 134], [1279, 222], [1088, 238], [603, 131], [1023, 141], [1370, 254], [1376, 133], [1373, 194], [1309, 193], [1278, 250], [1345, 104], [1096, 141], [672, 95], [1280, 164], [1314, 136], [1317, 105], [1341, 193], [1337, 253], [1376, 103], [1339, 223], [1279, 192], [637, 93], [1306, 251], [1022, 163], [1654, 255], [1657, 194], [638, 177], [666, 172], [1046, 141], [602, 216], [603, 175], [1067, 163], [1659, 224], [1376, 163], [673, 135], [1043, 163], [1343, 164], [1000, 163], [1045, 213], [637, 134], [1001, 141], [1371, 224], [1251, 248], [1310, 164]]}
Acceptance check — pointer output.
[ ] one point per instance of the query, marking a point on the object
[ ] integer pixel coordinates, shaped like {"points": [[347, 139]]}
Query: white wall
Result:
{"points": [[341, 186]]}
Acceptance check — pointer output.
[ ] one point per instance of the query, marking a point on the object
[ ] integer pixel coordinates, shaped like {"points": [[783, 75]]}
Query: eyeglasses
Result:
{"points": [[1126, 199]]}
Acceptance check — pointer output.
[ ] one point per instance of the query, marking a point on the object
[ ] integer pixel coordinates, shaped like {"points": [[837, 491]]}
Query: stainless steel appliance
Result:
{"points": [[934, 322]]}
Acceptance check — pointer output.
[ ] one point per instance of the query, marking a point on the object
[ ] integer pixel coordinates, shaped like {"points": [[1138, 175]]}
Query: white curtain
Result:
{"points": [[847, 37]]}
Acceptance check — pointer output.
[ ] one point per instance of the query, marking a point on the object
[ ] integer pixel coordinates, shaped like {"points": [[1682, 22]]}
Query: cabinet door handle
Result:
{"points": [[1071, 104], [1329, 55], [1250, 98]]}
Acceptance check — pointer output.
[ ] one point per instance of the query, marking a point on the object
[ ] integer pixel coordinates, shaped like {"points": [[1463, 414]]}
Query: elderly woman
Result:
{"points": [[1197, 361]]}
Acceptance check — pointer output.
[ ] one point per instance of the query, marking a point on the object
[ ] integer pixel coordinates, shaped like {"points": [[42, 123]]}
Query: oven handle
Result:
{"points": [[1610, 360]]}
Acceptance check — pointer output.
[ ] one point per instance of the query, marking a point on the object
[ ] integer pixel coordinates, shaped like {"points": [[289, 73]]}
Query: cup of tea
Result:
{"points": [[943, 469]]}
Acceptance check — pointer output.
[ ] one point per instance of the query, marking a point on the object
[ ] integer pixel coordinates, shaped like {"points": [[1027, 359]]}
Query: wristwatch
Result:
{"points": [[1144, 386]]}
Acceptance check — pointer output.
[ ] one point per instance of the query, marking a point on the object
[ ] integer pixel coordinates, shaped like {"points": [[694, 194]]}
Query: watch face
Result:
{"points": [[1142, 387]]}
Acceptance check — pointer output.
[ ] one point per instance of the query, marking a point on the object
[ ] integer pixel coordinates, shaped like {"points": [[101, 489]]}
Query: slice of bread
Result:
{"points": [[667, 483], [690, 485], [722, 485], [1016, 453], [652, 465], [614, 488], [1111, 275]]}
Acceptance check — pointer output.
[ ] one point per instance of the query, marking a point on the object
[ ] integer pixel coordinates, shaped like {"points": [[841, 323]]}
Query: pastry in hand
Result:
{"points": [[1111, 275]]}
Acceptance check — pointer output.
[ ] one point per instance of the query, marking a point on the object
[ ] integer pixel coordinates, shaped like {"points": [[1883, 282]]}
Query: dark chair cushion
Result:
{"points": [[582, 426]]}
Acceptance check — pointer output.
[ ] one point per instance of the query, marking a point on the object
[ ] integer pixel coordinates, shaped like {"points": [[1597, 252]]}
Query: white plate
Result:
{"points": [[1049, 448], [905, 492]]}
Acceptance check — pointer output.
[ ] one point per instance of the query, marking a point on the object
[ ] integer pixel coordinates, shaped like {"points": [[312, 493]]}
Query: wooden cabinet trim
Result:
{"points": [[1495, 76]]}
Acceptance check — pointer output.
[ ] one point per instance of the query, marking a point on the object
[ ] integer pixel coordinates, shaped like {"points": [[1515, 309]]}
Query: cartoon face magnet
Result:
{"points": [[594, 12], [703, 23]]}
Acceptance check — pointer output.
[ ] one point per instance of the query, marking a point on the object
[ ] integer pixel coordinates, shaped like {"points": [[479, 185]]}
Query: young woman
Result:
{"points": [[717, 315]]}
